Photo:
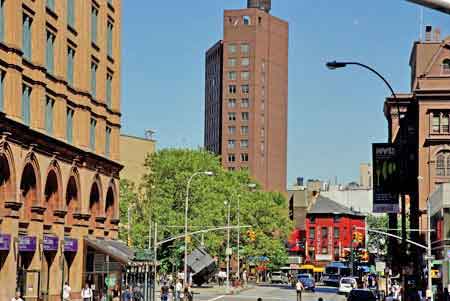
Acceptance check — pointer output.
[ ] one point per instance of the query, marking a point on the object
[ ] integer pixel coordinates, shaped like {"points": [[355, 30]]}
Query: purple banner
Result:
{"points": [[50, 243], [70, 245], [27, 243], [5, 242]]}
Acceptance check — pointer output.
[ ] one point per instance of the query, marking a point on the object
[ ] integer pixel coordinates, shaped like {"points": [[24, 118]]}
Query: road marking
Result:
{"points": [[216, 298], [244, 297]]}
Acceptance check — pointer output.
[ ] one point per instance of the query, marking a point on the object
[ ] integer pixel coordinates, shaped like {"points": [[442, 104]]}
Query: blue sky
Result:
{"points": [[334, 116]]}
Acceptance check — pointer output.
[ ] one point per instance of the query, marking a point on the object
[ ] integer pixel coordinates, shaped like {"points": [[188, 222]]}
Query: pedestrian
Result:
{"points": [[259, 299], [244, 278], [127, 295], [17, 297], [66, 291], [178, 289], [164, 292], [320, 299], [86, 293], [299, 288], [188, 295], [116, 293]]}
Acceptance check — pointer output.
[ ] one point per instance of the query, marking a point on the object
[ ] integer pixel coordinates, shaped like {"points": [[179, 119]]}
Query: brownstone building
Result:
{"points": [[246, 94], [419, 121], [59, 144]]}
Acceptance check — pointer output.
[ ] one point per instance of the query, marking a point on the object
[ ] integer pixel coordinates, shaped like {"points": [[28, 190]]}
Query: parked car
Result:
{"points": [[278, 277], [346, 285], [361, 295], [308, 281]]}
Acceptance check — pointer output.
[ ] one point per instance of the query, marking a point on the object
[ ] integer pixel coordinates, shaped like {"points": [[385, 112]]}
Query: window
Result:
{"points": [[231, 168], [110, 39], [245, 75], [71, 13], [245, 61], [232, 75], [231, 130], [245, 103], [231, 143], [245, 48], [231, 62], [94, 17], [92, 129], [244, 157], [436, 123], [26, 103], [109, 79], [94, 68], [232, 89], [26, 36], [70, 64], [232, 48], [245, 89], [446, 67], [244, 130], [324, 232], [444, 126], [312, 233], [2, 20], [231, 116], [2, 77], [245, 116], [69, 126], [49, 104], [244, 143], [108, 142], [440, 165], [231, 103], [50, 52], [51, 4], [231, 158], [246, 20], [324, 250], [336, 233]]}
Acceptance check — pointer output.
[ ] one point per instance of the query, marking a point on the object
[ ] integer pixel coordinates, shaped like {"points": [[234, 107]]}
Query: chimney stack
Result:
{"points": [[428, 31], [265, 5], [437, 34]]}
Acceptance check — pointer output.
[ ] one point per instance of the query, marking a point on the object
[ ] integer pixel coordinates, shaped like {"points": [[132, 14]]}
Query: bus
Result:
{"points": [[334, 272]]}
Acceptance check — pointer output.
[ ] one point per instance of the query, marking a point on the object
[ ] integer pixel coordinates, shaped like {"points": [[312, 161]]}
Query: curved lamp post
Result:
{"points": [[205, 173]]}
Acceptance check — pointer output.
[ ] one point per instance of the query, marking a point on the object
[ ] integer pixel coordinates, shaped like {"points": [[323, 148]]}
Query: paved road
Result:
{"points": [[270, 293]]}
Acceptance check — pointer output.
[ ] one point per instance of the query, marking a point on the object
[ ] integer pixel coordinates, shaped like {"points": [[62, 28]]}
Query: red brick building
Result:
{"points": [[329, 227]]}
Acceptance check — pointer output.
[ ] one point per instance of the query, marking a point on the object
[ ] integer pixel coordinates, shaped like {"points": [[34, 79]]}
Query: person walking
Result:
{"points": [[127, 295], [244, 278], [164, 292], [86, 293], [299, 288], [178, 289], [17, 297], [66, 291], [116, 293]]}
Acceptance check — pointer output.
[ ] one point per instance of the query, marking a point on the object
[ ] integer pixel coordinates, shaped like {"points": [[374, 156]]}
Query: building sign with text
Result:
{"points": [[386, 178]]}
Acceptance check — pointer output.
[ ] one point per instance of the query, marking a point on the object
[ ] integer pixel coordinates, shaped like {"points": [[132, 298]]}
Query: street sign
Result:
{"points": [[432, 257], [110, 281], [380, 266], [437, 262]]}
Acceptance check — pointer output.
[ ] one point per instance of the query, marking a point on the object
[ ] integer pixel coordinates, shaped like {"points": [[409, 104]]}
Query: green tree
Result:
{"points": [[164, 188], [377, 242]]}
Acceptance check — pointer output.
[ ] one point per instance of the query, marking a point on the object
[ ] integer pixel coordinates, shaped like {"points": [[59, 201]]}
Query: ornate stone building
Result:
{"points": [[59, 142]]}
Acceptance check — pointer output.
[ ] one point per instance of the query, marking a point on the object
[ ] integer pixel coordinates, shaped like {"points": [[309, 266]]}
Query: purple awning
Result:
{"points": [[5, 242], [27, 243], [70, 245], [50, 243]]}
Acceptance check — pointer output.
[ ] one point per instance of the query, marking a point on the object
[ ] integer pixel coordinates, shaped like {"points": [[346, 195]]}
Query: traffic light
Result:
{"points": [[359, 237], [251, 235], [188, 239], [365, 256], [354, 236]]}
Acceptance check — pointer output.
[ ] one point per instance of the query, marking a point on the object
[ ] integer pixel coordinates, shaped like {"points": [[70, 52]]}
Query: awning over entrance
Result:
{"points": [[113, 248]]}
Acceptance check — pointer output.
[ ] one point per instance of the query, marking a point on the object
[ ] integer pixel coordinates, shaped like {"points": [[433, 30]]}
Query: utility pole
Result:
{"points": [[429, 258], [129, 225], [352, 257], [238, 244], [228, 251], [149, 231], [155, 260]]}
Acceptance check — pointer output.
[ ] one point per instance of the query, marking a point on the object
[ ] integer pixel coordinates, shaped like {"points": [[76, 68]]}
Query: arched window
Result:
{"points": [[446, 66], [440, 165]]}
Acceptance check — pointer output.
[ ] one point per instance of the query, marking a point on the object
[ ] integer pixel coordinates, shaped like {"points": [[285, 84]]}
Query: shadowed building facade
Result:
{"points": [[59, 142], [246, 94]]}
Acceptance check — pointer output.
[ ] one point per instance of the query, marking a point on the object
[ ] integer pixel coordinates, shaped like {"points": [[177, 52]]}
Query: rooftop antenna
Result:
{"points": [[149, 134]]}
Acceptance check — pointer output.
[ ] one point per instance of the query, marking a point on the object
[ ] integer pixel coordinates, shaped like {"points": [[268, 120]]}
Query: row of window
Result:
{"points": [[232, 130], [245, 116], [324, 233], [232, 157], [443, 164], [49, 117], [245, 48], [232, 89], [232, 62], [232, 75], [245, 103], [232, 143], [440, 123]]}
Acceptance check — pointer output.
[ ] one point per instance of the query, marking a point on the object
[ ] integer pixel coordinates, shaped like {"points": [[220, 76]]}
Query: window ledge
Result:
{"points": [[111, 7], [51, 12], [110, 59], [95, 46], [72, 29]]}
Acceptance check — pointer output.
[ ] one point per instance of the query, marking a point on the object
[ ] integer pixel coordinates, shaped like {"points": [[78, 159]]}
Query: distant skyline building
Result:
{"points": [[246, 94], [365, 175]]}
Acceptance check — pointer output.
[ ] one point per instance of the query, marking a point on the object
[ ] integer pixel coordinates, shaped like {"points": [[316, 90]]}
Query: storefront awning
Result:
{"points": [[113, 248]]}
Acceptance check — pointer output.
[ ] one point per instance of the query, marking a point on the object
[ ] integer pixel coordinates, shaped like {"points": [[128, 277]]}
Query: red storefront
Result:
{"points": [[329, 229]]}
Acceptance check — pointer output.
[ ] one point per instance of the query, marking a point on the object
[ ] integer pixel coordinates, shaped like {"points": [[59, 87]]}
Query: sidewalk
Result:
{"points": [[215, 290]]}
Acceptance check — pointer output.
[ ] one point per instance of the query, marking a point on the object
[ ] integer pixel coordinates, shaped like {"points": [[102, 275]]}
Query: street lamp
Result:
{"points": [[205, 173]]}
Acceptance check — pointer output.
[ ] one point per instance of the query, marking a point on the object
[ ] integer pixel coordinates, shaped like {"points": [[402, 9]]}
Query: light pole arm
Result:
{"points": [[376, 73]]}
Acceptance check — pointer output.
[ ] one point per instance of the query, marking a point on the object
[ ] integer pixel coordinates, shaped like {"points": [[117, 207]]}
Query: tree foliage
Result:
{"points": [[164, 188]]}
